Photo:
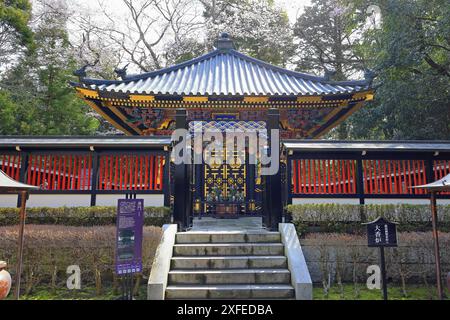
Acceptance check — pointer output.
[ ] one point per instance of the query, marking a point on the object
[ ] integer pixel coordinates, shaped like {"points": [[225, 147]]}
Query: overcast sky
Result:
{"points": [[292, 7], [116, 8]]}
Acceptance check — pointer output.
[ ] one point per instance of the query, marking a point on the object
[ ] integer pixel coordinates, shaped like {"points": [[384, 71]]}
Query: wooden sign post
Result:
{"points": [[382, 233]]}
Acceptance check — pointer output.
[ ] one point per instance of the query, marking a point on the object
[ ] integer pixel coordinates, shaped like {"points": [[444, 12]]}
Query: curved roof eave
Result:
{"points": [[272, 73]]}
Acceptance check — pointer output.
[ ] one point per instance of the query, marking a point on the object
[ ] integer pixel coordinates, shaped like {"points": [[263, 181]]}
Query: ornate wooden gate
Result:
{"points": [[231, 187], [224, 184]]}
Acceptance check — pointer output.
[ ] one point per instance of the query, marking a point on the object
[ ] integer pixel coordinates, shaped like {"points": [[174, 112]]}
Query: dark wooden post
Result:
{"points": [[24, 166], [287, 186], [198, 186], [22, 217], [360, 188], [429, 167], [429, 170], [23, 174], [166, 178], [437, 255], [181, 184], [383, 273], [94, 179], [273, 192], [250, 181]]}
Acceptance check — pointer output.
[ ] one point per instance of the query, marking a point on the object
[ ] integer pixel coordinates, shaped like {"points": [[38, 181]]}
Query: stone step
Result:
{"points": [[227, 237], [244, 276], [230, 262], [228, 249], [230, 292]]}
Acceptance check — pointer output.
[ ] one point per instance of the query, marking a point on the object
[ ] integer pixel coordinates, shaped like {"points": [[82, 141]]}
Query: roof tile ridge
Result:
{"points": [[298, 74], [154, 73]]}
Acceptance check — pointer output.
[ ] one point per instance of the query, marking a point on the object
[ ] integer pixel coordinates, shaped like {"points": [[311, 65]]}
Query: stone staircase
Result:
{"points": [[229, 265]]}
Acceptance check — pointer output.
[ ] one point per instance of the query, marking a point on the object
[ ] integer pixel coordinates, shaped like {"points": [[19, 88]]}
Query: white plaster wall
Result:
{"points": [[324, 201], [59, 200], [76, 200], [150, 200], [8, 200]]}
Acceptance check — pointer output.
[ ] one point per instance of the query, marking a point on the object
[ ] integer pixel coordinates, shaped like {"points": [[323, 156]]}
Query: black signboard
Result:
{"points": [[382, 233]]}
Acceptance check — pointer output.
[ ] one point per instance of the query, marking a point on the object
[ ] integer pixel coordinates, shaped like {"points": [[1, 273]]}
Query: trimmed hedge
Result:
{"points": [[80, 216], [347, 218]]}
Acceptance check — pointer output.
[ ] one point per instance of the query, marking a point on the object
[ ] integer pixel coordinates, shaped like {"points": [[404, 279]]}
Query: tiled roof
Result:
{"points": [[225, 71]]}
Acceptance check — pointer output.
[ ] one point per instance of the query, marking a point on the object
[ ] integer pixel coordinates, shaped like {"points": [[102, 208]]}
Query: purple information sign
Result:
{"points": [[130, 223]]}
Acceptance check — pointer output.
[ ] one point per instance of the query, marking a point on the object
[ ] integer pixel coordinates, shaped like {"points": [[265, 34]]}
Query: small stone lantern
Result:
{"points": [[5, 281]]}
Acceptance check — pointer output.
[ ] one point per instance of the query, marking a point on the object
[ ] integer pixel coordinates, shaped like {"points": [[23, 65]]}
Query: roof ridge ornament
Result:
{"points": [[122, 72], [81, 73], [329, 73], [224, 42], [369, 76]]}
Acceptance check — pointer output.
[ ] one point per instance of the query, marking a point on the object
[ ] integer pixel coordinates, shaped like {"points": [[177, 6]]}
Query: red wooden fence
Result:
{"points": [[11, 164], [60, 172], [74, 171], [312, 176], [131, 172], [328, 176], [394, 176]]}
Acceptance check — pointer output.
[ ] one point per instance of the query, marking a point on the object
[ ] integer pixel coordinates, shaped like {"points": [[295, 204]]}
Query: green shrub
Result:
{"points": [[80, 216], [347, 218]]}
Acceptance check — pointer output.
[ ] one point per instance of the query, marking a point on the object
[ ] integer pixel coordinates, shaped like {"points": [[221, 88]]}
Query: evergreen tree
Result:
{"points": [[327, 36], [43, 101], [412, 58], [15, 33]]}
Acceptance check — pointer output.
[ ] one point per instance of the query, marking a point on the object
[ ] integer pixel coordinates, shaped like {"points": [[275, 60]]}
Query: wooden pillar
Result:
{"points": [[437, 255], [360, 188], [429, 170], [22, 217], [181, 206], [94, 179], [23, 174], [285, 184], [199, 184], [289, 184], [273, 199], [250, 182], [166, 178]]}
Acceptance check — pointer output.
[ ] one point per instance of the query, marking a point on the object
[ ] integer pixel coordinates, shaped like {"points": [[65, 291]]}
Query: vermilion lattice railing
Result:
{"points": [[60, 172], [394, 176], [11, 164], [131, 172], [378, 177], [74, 172], [318, 176]]}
